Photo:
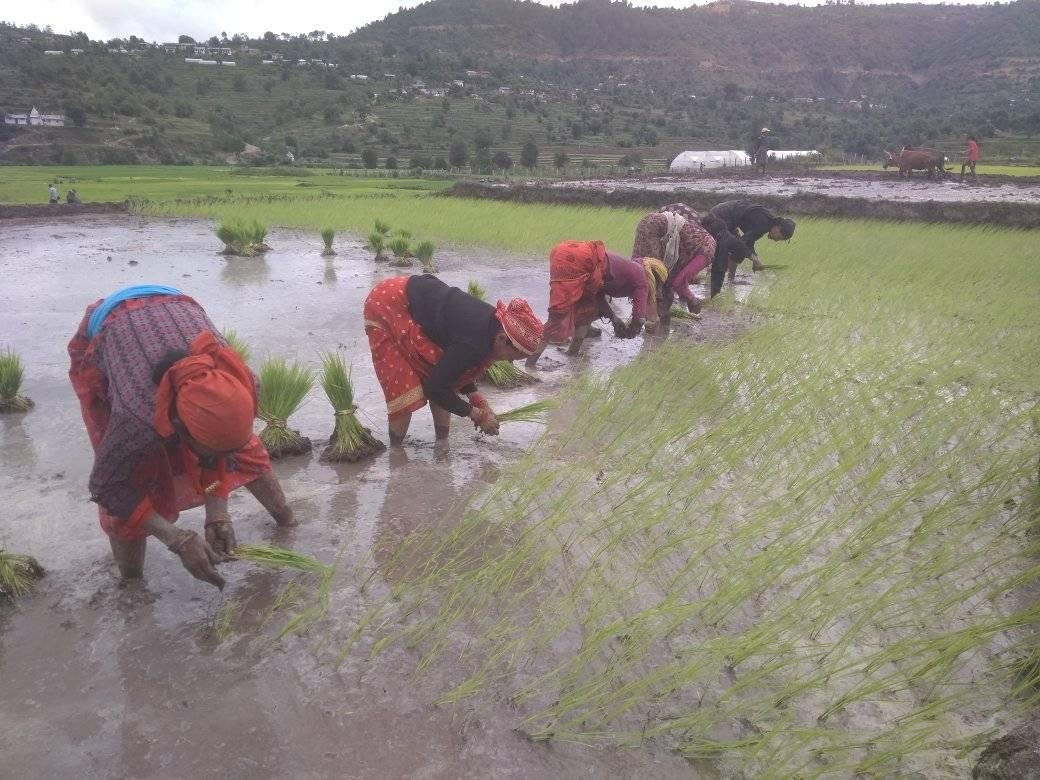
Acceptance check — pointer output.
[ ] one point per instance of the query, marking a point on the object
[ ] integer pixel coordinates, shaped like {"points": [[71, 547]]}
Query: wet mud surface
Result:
{"points": [[880, 186], [108, 680]]}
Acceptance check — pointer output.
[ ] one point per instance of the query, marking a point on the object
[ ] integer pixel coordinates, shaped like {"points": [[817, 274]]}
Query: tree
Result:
{"points": [[529, 155], [369, 158], [390, 163], [561, 161], [482, 139], [238, 83], [502, 160], [185, 39], [77, 114], [458, 154]]}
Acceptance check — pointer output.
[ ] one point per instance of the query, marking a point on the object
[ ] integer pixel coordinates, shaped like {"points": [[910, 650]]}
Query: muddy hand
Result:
{"points": [[268, 491], [198, 558], [220, 535]]}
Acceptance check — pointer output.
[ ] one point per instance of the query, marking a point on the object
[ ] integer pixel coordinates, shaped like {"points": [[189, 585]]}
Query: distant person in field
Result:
{"points": [[71, 197], [169, 410], [971, 157], [674, 235], [760, 150], [749, 221], [431, 342], [582, 275], [52, 194]]}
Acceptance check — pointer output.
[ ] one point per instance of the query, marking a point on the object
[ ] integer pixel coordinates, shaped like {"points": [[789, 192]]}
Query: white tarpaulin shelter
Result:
{"points": [[788, 154], [690, 162]]}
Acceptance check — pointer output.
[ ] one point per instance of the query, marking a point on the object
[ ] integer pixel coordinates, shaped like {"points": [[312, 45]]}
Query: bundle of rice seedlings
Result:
{"points": [[401, 247], [17, 573], [327, 234], [236, 343], [242, 237], [11, 374], [350, 440], [382, 228], [280, 558], [403, 233], [682, 313], [377, 244], [283, 386], [501, 373], [424, 254], [533, 413]]}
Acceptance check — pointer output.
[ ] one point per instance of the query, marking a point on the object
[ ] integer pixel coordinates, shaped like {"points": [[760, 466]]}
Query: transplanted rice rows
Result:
{"points": [[809, 552]]}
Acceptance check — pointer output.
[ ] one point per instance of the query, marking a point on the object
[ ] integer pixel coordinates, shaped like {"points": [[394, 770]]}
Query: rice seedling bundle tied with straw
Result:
{"points": [[327, 236], [350, 440], [283, 386], [17, 574], [236, 343], [424, 254], [401, 247], [11, 374], [242, 237], [501, 373]]}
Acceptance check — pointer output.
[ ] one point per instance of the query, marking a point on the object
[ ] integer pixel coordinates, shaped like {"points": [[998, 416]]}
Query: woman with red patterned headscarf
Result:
{"points": [[430, 342], [169, 409]]}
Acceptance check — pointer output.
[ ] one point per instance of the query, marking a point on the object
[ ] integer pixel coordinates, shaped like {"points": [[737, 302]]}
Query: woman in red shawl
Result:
{"points": [[430, 342], [169, 409], [582, 274]]}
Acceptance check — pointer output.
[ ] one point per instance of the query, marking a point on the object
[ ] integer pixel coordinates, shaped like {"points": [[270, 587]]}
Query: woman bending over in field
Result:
{"points": [[430, 342], [169, 409], [582, 274], [750, 222], [674, 235]]}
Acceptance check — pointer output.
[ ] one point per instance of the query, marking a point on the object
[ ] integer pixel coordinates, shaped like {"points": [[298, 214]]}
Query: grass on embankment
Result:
{"points": [[105, 183], [809, 552]]}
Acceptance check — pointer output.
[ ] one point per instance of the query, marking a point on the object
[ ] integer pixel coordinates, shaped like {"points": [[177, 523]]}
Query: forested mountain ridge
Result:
{"points": [[593, 79]]}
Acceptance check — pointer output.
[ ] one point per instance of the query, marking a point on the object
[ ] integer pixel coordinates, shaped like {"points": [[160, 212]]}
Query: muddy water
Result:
{"points": [[104, 680], [887, 187]]}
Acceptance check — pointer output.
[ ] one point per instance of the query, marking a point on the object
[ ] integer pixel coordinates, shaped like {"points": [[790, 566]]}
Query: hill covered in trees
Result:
{"points": [[476, 81]]}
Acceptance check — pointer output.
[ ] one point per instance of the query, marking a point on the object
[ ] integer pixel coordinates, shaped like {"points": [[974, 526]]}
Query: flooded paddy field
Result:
{"points": [[102, 679]]}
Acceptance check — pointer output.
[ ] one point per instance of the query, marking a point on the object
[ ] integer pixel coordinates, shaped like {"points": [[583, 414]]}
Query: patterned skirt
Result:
{"points": [[402, 354]]}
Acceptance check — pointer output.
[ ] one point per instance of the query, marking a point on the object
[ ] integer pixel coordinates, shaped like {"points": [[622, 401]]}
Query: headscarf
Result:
{"points": [[671, 247], [214, 395], [520, 324]]}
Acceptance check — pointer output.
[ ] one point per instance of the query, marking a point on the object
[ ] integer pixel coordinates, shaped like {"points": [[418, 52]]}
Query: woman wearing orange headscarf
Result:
{"points": [[169, 409]]}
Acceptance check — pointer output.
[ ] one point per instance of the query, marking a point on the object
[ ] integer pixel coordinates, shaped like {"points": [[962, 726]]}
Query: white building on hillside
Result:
{"points": [[35, 119]]}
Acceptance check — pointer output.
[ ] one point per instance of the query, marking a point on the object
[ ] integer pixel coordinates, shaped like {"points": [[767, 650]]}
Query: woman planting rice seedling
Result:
{"points": [[501, 373], [11, 373], [350, 440], [283, 386], [581, 276], [430, 341], [750, 222], [169, 409], [674, 236]]}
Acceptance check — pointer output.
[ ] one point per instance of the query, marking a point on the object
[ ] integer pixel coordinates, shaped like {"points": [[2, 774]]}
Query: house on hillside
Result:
{"points": [[35, 119], [54, 53]]}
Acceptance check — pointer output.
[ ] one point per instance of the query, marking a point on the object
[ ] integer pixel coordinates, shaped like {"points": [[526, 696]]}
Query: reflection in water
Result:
{"points": [[245, 271], [17, 452], [330, 272]]}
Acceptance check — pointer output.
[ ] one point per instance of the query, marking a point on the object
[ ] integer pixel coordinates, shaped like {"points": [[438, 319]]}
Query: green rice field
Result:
{"points": [[805, 549]]}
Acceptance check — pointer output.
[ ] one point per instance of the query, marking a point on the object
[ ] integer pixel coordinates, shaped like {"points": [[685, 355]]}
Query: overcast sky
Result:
{"points": [[164, 20]]}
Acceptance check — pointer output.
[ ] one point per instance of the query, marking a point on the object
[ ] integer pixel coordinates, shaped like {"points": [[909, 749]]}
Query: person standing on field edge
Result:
{"points": [[52, 192], [971, 156], [760, 150]]}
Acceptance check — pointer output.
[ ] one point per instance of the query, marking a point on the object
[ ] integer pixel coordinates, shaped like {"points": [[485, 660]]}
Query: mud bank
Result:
{"points": [[60, 211], [103, 680], [775, 194]]}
